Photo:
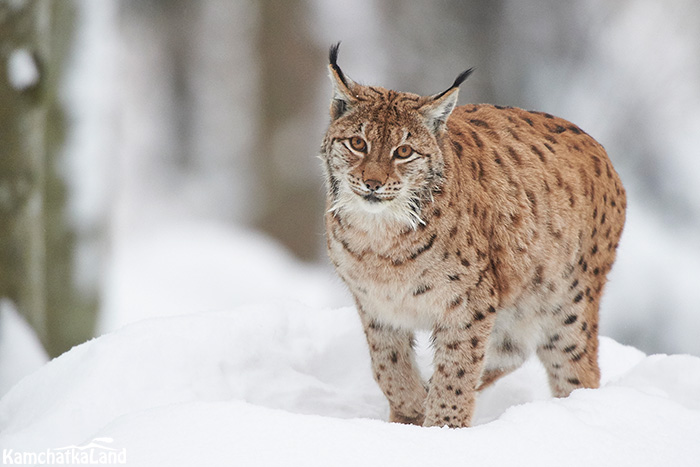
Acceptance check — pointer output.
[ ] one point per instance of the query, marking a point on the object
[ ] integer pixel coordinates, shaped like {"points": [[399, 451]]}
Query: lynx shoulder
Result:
{"points": [[492, 227]]}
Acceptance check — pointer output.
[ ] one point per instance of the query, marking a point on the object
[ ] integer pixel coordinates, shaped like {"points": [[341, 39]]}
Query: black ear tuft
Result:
{"points": [[333, 54], [460, 79], [333, 59]]}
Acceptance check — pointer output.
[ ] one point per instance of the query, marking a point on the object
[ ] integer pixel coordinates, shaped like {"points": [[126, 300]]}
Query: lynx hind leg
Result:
{"points": [[506, 350], [570, 351], [395, 370]]}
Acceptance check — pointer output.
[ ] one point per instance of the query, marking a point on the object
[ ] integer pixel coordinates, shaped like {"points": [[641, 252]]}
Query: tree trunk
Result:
{"points": [[23, 110], [37, 242], [290, 189], [71, 311]]}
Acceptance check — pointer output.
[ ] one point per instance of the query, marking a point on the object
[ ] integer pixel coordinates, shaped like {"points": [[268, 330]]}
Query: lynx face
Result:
{"points": [[385, 161]]}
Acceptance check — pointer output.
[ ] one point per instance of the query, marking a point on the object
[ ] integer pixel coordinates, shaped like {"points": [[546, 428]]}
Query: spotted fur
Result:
{"points": [[496, 234]]}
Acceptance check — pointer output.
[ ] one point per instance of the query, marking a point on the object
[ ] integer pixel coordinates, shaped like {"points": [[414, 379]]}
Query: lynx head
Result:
{"points": [[382, 154]]}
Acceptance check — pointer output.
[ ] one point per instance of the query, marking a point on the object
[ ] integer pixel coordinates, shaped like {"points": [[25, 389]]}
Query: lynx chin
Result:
{"points": [[492, 227]]}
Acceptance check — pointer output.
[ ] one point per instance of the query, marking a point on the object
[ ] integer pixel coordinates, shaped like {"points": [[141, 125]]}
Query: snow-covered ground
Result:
{"points": [[278, 374], [284, 383]]}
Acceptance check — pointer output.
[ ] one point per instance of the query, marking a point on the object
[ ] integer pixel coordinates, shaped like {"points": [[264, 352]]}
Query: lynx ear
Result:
{"points": [[342, 100], [439, 107]]}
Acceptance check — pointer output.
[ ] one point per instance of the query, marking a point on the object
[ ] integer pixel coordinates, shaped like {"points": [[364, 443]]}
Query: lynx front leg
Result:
{"points": [[394, 368], [459, 359]]}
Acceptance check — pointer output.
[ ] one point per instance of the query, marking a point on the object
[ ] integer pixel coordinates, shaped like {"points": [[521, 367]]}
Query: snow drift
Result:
{"points": [[290, 384]]}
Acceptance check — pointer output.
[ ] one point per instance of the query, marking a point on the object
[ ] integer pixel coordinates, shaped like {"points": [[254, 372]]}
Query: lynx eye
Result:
{"points": [[358, 144], [404, 151]]}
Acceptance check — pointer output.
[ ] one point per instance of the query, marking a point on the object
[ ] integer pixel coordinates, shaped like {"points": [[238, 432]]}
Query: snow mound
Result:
{"points": [[288, 384]]}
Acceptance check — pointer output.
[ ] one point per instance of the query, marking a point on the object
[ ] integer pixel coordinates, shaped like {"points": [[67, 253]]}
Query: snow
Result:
{"points": [[284, 383], [22, 71], [21, 352], [655, 270], [180, 266]]}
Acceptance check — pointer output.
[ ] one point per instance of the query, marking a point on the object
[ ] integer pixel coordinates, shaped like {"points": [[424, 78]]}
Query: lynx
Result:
{"points": [[492, 227]]}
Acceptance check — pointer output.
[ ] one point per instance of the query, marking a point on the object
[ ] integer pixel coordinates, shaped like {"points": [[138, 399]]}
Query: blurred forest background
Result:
{"points": [[138, 137]]}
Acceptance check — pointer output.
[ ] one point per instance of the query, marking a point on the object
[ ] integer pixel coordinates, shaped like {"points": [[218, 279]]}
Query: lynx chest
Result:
{"points": [[401, 279]]}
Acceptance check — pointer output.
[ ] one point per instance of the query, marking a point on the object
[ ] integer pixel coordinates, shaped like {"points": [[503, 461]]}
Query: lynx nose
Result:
{"points": [[373, 185]]}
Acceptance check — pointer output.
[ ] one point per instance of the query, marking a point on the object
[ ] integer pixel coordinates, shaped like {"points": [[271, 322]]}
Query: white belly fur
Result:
{"points": [[524, 327]]}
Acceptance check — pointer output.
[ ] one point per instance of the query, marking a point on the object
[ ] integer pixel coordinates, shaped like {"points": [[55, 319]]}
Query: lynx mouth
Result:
{"points": [[372, 198], [374, 203]]}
